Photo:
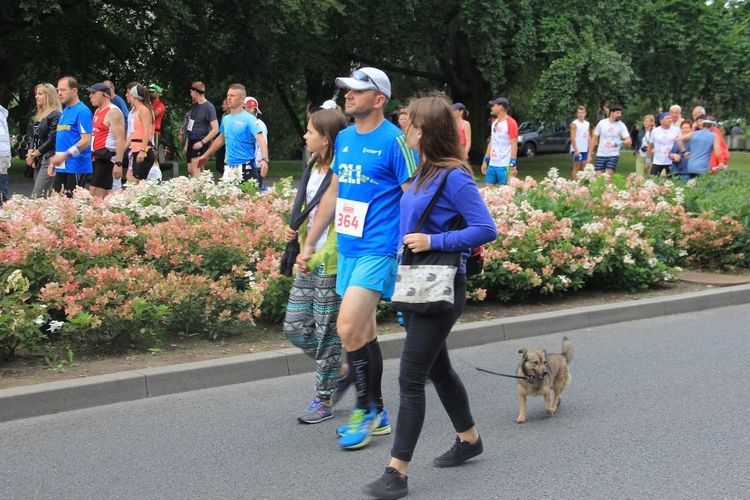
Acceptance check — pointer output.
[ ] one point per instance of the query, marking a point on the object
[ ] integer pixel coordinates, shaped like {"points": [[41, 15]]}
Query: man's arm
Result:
{"points": [[214, 130], [210, 135], [649, 150], [264, 152], [214, 147], [117, 125], [485, 161], [573, 129], [592, 144], [626, 139], [59, 158], [717, 148]]}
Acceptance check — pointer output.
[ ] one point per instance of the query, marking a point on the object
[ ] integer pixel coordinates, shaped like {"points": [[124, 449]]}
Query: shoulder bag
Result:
{"points": [[425, 281], [289, 257]]}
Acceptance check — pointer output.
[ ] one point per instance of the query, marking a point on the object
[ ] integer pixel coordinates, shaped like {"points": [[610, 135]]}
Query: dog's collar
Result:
{"points": [[526, 376]]}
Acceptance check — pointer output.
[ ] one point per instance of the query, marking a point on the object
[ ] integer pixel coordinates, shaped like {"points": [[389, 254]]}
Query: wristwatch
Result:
{"points": [[265, 160], [118, 163]]}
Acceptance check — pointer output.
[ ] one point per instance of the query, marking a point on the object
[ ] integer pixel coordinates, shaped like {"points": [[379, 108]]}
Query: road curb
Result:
{"points": [[55, 397]]}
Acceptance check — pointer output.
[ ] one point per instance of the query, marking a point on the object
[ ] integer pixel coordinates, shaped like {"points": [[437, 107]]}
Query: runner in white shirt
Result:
{"points": [[579, 140], [610, 133], [500, 159], [660, 145]]}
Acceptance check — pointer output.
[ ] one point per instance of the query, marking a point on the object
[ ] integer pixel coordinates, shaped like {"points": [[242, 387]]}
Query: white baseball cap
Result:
{"points": [[366, 79], [252, 102], [329, 104]]}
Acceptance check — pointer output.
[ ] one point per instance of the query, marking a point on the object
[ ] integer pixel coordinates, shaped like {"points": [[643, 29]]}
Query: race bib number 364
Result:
{"points": [[350, 217]]}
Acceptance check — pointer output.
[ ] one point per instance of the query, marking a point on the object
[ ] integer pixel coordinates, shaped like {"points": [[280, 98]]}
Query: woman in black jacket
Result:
{"points": [[42, 145]]}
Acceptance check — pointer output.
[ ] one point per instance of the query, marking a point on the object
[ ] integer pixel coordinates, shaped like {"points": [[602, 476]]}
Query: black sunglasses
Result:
{"points": [[361, 76]]}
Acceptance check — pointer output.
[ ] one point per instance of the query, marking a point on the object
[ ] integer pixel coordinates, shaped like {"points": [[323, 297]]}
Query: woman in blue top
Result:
{"points": [[433, 133]]}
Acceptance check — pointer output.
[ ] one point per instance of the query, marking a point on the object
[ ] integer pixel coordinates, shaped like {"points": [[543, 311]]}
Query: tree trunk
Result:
{"points": [[467, 84]]}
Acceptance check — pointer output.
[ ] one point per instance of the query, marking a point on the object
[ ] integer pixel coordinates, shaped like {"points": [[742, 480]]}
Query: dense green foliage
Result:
{"points": [[547, 56]]}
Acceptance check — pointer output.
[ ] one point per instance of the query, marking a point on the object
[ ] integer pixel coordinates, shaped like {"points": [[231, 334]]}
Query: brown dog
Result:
{"points": [[542, 374]]}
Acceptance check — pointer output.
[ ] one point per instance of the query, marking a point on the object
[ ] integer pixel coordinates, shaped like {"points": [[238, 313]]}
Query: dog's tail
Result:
{"points": [[567, 349]]}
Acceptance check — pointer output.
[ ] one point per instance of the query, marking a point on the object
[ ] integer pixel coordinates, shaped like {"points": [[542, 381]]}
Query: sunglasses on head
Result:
{"points": [[197, 90], [361, 76]]}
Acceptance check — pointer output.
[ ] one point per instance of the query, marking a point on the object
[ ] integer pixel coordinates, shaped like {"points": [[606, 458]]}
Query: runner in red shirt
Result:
{"points": [[159, 110]]}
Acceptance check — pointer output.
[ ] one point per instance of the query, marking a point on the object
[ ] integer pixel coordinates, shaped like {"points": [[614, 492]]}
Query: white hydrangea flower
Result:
{"points": [[55, 325]]}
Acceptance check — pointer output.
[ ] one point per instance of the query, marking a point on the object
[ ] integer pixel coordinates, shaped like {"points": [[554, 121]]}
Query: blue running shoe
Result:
{"points": [[359, 432], [381, 430]]}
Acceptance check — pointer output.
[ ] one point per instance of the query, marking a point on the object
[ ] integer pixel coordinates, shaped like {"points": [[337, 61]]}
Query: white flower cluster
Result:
{"points": [[16, 282], [587, 174], [55, 325], [592, 228]]}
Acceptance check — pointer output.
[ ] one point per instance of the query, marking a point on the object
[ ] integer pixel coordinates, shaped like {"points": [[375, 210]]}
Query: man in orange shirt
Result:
{"points": [[718, 162], [159, 110]]}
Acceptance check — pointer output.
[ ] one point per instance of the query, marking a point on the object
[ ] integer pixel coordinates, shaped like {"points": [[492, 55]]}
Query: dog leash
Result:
{"points": [[501, 374]]}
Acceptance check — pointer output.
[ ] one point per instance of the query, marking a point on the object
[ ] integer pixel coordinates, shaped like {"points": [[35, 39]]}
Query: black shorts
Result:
{"points": [[657, 169], [69, 182], [102, 175], [141, 170], [250, 172], [192, 153]]}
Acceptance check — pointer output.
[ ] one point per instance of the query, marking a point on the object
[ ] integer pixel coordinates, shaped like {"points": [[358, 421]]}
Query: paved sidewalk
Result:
{"points": [[43, 399]]}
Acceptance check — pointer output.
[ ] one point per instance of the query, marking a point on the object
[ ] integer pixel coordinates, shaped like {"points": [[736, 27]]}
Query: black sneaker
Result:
{"points": [[459, 453], [390, 486], [342, 384]]}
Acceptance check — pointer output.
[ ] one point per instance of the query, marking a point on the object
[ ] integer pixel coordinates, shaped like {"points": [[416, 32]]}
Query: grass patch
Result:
{"points": [[537, 167]]}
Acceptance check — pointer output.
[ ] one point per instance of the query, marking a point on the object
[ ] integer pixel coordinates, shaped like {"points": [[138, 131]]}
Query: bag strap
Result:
{"points": [[434, 200], [298, 215]]}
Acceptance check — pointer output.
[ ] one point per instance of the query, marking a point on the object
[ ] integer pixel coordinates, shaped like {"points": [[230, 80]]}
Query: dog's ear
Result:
{"points": [[523, 351], [543, 352]]}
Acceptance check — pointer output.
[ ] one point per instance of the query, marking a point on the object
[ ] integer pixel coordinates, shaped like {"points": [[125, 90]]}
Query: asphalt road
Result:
{"points": [[657, 409]]}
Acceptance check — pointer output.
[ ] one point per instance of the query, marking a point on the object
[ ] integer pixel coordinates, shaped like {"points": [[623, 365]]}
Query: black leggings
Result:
{"points": [[425, 354]]}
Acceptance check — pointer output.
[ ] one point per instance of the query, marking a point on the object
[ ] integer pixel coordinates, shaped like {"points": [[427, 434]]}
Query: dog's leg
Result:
{"points": [[521, 409], [548, 406], [556, 402]]}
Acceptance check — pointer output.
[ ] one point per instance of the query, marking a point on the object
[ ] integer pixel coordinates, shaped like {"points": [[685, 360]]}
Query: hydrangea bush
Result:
{"points": [[187, 256], [192, 256], [558, 235]]}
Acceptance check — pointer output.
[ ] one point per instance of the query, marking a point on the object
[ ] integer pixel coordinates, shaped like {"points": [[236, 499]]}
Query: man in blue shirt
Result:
{"points": [[116, 99], [72, 160], [372, 166], [703, 142], [240, 132]]}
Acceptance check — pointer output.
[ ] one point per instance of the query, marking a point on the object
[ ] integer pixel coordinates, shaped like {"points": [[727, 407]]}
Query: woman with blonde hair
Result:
{"points": [[642, 144], [458, 221], [42, 146]]}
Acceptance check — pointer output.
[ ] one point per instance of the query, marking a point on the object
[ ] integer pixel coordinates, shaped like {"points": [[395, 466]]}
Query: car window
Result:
{"points": [[527, 127]]}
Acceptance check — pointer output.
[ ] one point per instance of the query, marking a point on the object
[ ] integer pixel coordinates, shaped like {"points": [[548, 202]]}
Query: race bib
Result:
{"points": [[190, 125], [350, 217]]}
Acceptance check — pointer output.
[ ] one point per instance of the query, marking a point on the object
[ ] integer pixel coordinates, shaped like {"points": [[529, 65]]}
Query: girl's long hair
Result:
{"points": [[328, 123], [51, 101], [439, 145]]}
